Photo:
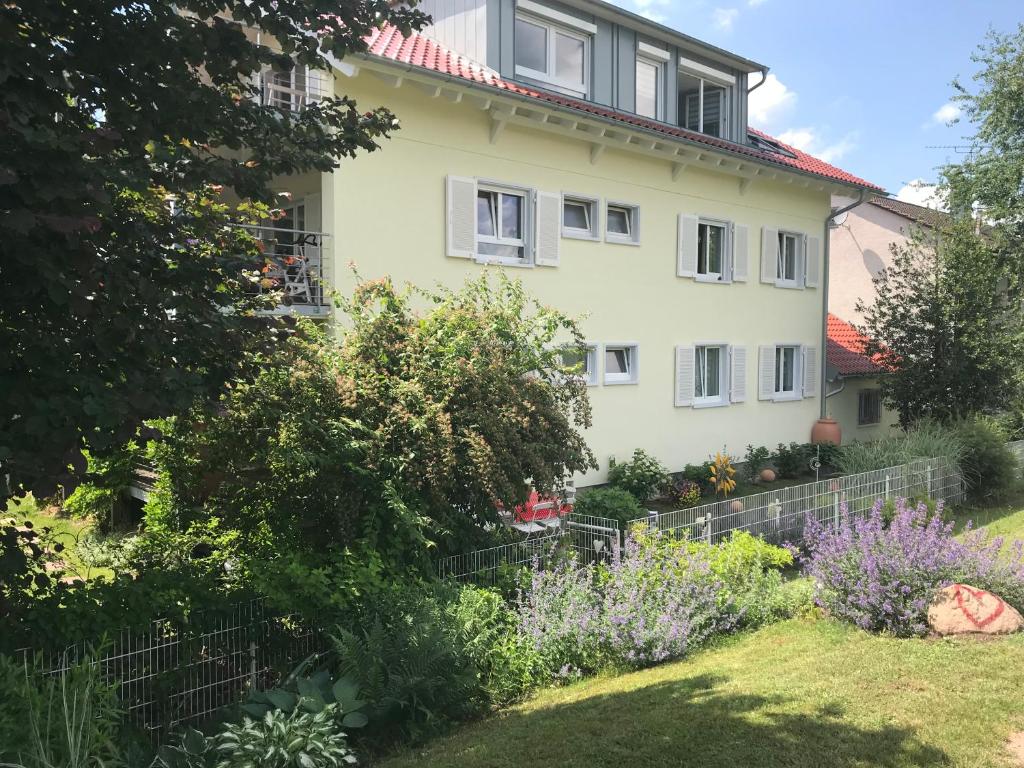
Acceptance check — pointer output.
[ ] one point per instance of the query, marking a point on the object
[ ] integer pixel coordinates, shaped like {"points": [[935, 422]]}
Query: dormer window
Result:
{"points": [[553, 47], [704, 96], [650, 81]]}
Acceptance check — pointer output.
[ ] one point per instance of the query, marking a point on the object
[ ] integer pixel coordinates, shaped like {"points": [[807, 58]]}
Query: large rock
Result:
{"points": [[961, 610]]}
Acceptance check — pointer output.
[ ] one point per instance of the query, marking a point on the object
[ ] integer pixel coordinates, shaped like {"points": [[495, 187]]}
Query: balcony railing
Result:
{"points": [[293, 90], [293, 269]]}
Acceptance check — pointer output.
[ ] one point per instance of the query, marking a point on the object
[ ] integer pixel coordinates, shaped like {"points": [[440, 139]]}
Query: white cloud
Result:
{"points": [[810, 141], [723, 18], [920, 192], [649, 8], [770, 102], [755, 3], [947, 113]]}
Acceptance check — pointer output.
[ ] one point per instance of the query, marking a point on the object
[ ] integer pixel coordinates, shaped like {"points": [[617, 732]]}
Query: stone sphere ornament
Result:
{"points": [[736, 507], [767, 475]]}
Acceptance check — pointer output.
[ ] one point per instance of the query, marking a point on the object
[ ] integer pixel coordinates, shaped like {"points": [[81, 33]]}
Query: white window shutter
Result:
{"points": [[810, 371], [737, 374], [740, 252], [769, 254], [812, 261], [684, 376], [461, 215], [766, 373], [548, 229], [686, 246]]}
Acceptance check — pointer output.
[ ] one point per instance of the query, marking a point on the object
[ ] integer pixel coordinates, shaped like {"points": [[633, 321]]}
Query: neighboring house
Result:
{"points": [[853, 395], [606, 162], [860, 248]]}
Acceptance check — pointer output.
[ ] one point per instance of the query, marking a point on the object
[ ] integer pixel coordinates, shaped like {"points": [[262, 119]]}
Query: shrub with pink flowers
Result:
{"points": [[646, 605], [882, 577]]}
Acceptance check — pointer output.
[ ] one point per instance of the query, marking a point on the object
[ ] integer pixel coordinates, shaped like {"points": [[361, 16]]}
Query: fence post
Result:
{"points": [[707, 526], [652, 520], [835, 510], [252, 665], [888, 485], [930, 478]]}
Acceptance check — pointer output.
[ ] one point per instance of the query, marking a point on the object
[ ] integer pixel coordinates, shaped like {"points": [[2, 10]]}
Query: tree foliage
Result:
{"points": [[115, 308], [404, 433]]}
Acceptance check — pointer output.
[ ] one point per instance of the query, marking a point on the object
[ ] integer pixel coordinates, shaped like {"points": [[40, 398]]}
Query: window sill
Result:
{"points": [[530, 77], [619, 382], [485, 261], [789, 284], [621, 240], [719, 403], [580, 234], [869, 424], [786, 398], [711, 280]]}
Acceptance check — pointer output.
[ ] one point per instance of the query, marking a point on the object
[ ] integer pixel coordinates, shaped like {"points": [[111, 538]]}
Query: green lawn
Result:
{"points": [[794, 694], [1003, 519], [65, 530]]}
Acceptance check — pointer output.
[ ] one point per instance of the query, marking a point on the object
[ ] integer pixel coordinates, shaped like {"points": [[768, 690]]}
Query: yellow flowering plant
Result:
{"points": [[722, 473]]}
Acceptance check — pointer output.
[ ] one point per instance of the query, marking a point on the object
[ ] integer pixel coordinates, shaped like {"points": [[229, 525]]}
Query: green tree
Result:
{"points": [[402, 435], [943, 327], [114, 308]]}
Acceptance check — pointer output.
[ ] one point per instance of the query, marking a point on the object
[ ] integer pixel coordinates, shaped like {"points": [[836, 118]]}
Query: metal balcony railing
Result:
{"points": [[293, 268], [294, 90]]}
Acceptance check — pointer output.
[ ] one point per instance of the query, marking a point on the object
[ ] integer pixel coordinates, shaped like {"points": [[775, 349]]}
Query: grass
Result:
{"points": [[65, 530], [1004, 518], [798, 693]]}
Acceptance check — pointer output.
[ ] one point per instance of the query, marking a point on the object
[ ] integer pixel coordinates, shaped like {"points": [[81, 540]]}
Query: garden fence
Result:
{"points": [[1017, 449], [178, 673], [779, 515]]}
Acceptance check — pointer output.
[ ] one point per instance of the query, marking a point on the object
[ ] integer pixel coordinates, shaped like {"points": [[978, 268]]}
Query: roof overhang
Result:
{"points": [[600, 132]]}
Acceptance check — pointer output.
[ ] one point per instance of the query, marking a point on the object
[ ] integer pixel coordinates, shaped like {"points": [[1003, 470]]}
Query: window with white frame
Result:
{"points": [[787, 373], [713, 250], [704, 98], [869, 407], [580, 217], [622, 223], [556, 53], [621, 363], [709, 374], [501, 223], [789, 270], [580, 361]]}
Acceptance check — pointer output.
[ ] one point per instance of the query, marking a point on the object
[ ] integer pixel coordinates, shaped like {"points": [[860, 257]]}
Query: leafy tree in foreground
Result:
{"points": [[401, 435], [112, 309]]}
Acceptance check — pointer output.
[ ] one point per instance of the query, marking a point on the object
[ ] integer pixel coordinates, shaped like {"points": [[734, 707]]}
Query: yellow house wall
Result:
{"points": [[387, 212], [843, 407]]}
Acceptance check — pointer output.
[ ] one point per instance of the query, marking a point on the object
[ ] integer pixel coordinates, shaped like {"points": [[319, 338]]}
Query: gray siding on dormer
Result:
{"points": [[460, 25], [612, 63]]}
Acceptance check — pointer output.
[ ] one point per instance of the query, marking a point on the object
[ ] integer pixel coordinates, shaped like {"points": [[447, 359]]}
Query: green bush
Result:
{"points": [[755, 460], [989, 467], [792, 461], [699, 474], [925, 440], [613, 503], [643, 476]]}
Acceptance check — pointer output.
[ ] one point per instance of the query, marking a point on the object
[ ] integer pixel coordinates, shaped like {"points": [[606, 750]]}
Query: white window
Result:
{"points": [[554, 53], [789, 270], [622, 224], [713, 251], [580, 217], [704, 95], [580, 361], [786, 360], [649, 83], [501, 224], [621, 363], [869, 407], [710, 374]]}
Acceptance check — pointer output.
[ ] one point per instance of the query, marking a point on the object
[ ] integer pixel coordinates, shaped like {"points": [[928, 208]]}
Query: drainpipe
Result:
{"points": [[764, 76], [823, 363]]}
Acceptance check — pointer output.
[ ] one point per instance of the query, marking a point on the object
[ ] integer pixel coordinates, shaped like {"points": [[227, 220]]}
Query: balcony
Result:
{"points": [[293, 90], [294, 270]]}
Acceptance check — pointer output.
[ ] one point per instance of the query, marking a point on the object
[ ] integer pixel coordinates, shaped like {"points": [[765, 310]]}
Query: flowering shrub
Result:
{"points": [[683, 492], [650, 603], [643, 476], [883, 577]]}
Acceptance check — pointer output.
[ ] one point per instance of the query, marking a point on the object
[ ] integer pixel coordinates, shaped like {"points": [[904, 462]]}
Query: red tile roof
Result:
{"points": [[919, 214], [420, 51], [846, 350]]}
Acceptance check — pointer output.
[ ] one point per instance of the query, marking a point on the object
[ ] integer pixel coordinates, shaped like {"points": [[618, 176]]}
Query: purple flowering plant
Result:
{"points": [[883, 577], [649, 603]]}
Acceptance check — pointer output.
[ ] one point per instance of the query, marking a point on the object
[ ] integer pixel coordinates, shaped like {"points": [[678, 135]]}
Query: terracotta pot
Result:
{"points": [[826, 431], [767, 475], [736, 507]]}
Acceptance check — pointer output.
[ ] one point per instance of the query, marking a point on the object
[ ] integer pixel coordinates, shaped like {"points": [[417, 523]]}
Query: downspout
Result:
{"points": [[764, 77], [824, 300]]}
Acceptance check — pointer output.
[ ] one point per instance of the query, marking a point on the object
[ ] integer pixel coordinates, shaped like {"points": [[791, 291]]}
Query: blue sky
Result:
{"points": [[864, 85]]}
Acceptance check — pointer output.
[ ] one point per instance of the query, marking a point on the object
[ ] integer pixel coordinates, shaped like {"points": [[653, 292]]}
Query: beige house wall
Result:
{"points": [[859, 249], [843, 407]]}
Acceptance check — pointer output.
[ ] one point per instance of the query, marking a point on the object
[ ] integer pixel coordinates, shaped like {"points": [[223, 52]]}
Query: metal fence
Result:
{"points": [[591, 538], [779, 515], [176, 674]]}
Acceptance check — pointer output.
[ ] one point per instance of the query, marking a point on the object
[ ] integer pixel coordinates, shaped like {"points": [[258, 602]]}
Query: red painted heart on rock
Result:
{"points": [[972, 604]]}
